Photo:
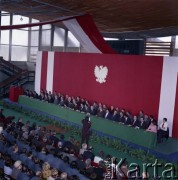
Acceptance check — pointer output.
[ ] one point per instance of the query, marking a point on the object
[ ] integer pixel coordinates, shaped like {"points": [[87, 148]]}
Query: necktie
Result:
{"points": [[163, 125]]}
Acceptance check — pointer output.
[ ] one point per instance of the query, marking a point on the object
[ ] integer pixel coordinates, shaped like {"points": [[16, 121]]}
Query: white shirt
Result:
{"points": [[163, 126], [106, 114], [97, 159], [7, 170]]}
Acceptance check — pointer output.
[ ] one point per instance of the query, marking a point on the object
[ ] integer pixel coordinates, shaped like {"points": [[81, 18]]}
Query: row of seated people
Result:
{"points": [[33, 152], [28, 150], [47, 157], [142, 120]]}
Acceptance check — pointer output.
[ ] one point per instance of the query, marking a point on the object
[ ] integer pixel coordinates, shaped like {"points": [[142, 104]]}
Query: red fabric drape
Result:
{"points": [[89, 27]]}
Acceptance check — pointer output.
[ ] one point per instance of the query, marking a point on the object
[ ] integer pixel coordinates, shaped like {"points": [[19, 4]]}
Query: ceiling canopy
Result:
{"points": [[114, 18]]}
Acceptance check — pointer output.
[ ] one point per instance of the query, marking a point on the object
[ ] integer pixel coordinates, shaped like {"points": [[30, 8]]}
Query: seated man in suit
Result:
{"points": [[127, 120], [121, 117], [101, 112], [108, 115], [135, 122], [142, 123], [147, 120], [115, 116], [92, 111], [162, 129]]}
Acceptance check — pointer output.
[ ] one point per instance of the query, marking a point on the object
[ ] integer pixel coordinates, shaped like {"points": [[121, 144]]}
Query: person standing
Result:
{"points": [[86, 129]]}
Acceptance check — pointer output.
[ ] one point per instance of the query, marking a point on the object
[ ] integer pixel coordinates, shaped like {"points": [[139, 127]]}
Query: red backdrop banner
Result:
{"points": [[133, 82]]}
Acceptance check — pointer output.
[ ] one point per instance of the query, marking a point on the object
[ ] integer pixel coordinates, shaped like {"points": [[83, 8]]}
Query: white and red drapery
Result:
{"points": [[82, 27]]}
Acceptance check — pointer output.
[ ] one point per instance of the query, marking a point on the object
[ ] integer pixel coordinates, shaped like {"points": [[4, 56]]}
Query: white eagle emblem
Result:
{"points": [[101, 73]]}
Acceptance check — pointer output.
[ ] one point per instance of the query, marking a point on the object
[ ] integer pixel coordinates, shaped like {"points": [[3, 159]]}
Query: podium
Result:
{"points": [[15, 92]]}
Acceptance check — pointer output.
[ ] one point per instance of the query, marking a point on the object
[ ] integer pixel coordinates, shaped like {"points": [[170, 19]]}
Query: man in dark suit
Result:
{"points": [[127, 120], [121, 117], [108, 115], [100, 112], [135, 122], [142, 123], [92, 111], [86, 129], [111, 110], [115, 116], [147, 120]]}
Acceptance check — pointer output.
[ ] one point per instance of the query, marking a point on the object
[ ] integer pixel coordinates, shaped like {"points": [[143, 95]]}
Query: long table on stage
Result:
{"points": [[130, 134]]}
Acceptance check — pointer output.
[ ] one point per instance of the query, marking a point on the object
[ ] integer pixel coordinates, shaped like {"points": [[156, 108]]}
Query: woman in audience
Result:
{"points": [[46, 172]]}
